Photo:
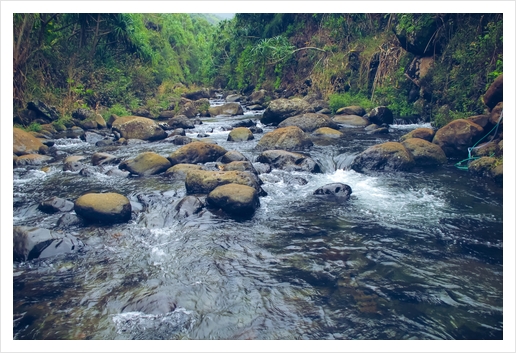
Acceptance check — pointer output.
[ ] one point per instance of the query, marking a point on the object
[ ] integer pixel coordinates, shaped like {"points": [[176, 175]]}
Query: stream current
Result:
{"points": [[410, 256]]}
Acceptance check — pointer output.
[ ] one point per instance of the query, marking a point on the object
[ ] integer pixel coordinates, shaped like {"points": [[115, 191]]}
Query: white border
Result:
{"points": [[10, 7]]}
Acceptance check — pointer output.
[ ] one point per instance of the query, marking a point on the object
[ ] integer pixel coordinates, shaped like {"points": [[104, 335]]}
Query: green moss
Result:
{"points": [[340, 100]]}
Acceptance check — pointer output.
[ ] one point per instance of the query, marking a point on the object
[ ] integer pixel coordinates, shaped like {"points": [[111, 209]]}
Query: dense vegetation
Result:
{"points": [[121, 62]]}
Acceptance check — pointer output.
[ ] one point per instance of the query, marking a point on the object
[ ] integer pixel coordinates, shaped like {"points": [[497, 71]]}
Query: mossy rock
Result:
{"points": [[240, 134], [103, 208], [146, 163], [388, 157], [426, 154], [226, 109], [179, 171], [290, 138], [204, 181], [281, 109], [456, 137], [351, 110], [196, 152], [309, 122], [134, 127], [327, 132], [424, 133], [352, 120], [234, 199], [25, 143]]}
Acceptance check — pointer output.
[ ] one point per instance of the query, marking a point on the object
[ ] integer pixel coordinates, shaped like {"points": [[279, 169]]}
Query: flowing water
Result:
{"points": [[409, 256]]}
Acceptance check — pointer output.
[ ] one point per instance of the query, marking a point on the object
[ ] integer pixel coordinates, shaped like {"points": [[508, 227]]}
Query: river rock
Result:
{"points": [[281, 109], [381, 115], [44, 111], [388, 156], [352, 120], [494, 94], [257, 97], [31, 159], [188, 108], [204, 181], [424, 133], [180, 140], [494, 116], [166, 114], [179, 171], [133, 127], [146, 163], [91, 137], [255, 107], [189, 205], [242, 166], [456, 137], [240, 134], [226, 109], [100, 158], [180, 122], [103, 208], [68, 220], [73, 163], [256, 130], [327, 132], [426, 154], [55, 204], [195, 95], [244, 123], [232, 98], [197, 152], [351, 110], [289, 161], [309, 122], [232, 156], [25, 143], [32, 243], [340, 190], [482, 120], [234, 199], [288, 138]]}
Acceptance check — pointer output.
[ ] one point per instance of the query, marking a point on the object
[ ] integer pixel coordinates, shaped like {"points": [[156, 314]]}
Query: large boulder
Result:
{"points": [[388, 156], [309, 122], [494, 94], [204, 181], [381, 115], [226, 109], [189, 109], [482, 120], [31, 159], [232, 98], [424, 133], [145, 164], [426, 154], [240, 134], [289, 161], [242, 166], [180, 122], [32, 243], [195, 95], [103, 208], [197, 152], [351, 110], [494, 116], [352, 120], [234, 199], [281, 109], [179, 171], [43, 111], [456, 137], [25, 143], [290, 138], [134, 127], [339, 190]]}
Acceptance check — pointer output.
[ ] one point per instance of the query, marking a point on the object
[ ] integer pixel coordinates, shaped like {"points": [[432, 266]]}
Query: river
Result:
{"points": [[410, 256]]}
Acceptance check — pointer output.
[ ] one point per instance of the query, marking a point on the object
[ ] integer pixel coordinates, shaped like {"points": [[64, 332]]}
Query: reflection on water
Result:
{"points": [[409, 256]]}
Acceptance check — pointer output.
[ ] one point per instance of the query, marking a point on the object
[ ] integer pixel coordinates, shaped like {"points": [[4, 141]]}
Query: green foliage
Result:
{"points": [[35, 127], [340, 100], [116, 109]]}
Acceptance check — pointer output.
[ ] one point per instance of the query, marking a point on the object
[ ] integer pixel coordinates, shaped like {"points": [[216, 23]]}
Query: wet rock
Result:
{"points": [[294, 180], [339, 190], [494, 93], [234, 199], [281, 109], [178, 132], [290, 138], [70, 133], [240, 134], [43, 111], [166, 114], [32, 243], [142, 112], [232, 98], [133, 127], [204, 181], [487, 149], [73, 163], [31, 159], [83, 114], [108, 141], [289, 161], [483, 166], [179, 140], [196, 152], [195, 95], [25, 143], [242, 166], [424, 133], [351, 110], [226, 109], [309, 122], [145, 164], [87, 172], [262, 168], [118, 173], [68, 220], [179, 171], [381, 115], [378, 131], [103, 208], [188, 108], [327, 132], [426, 154], [257, 97], [100, 158], [232, 156], [456, 137], [352, 120], [91, 137], [180, 122], [188, 206], [202, 135], [244, 123], [389, 157], [256, 130], [55, 204]]}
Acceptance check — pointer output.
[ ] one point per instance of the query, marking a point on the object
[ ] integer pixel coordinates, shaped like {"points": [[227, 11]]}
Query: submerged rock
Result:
{"points": [[32, 243], [188, 206], [234, 199], [103, 208]]}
